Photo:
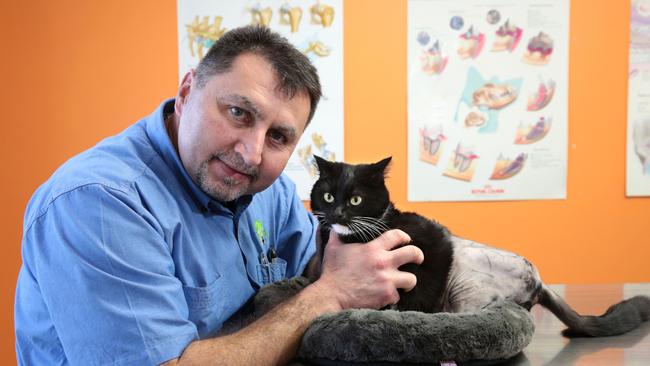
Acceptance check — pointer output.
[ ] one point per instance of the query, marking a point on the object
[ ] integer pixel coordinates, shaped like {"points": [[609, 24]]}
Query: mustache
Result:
{"points": [[236, 161]]}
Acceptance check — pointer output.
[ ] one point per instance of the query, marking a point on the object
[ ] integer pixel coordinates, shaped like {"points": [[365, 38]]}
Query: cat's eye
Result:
{"points": [[355, 200], [328, 197]]}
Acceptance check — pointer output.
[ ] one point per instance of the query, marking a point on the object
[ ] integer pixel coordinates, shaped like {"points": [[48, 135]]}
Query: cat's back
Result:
{"points": [[419, 227], [432, 274]]}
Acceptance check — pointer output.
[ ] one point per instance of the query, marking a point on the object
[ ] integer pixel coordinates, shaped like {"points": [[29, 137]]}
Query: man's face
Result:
{"points": [[236, 134]]}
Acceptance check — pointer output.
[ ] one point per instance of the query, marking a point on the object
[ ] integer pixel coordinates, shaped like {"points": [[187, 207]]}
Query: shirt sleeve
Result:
{"points": [[298, 234], [106, 275]]}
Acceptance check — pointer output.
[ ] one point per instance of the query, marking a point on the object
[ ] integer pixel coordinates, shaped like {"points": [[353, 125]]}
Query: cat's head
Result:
{"points": [[351, 199]]}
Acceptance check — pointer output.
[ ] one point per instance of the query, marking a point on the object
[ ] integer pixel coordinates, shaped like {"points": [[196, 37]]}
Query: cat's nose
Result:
{"points": [[338, 213]]}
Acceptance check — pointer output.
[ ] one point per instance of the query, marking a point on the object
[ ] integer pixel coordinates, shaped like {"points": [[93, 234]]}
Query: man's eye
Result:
{"points": [[278, 137], [237, 112]]}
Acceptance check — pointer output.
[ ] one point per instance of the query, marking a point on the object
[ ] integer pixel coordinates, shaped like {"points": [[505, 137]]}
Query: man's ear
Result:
{"points": [[184, 92]]}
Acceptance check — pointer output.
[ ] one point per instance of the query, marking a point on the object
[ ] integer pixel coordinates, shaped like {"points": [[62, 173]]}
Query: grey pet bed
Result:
{"points": [[361, 336]]}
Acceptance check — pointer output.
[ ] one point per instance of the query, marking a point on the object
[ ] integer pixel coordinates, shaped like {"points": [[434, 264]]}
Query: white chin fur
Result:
{"points": [[341, 230]]}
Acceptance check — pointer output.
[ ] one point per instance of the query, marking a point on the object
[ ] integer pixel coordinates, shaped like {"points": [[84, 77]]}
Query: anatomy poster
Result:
{"points": [[314, 27], [487, 99], [638, 111]]}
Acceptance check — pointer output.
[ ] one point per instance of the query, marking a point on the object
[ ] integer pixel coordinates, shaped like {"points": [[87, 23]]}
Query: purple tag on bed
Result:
{"points": [[447, 363]]}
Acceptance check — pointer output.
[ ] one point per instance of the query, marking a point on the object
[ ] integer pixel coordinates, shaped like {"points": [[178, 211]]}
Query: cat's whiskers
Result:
{"points": [[320, 216], [357, 230], [366, 235], [376, 225], [379, 222], [378, 229], [368, 227]]}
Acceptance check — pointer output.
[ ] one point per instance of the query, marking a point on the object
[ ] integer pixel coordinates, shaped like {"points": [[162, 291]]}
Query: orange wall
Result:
{"points": [[76, 71]]}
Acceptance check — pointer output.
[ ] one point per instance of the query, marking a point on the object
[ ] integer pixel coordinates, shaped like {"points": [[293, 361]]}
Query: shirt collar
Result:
{"points": [[155, 127]]}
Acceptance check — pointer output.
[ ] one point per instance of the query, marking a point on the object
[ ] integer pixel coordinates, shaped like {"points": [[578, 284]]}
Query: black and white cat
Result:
{"points": [[457, 275]]}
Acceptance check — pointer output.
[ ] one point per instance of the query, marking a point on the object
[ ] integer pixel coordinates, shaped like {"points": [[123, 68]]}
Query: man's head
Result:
{"points": [[295, 71], [239, 116]]}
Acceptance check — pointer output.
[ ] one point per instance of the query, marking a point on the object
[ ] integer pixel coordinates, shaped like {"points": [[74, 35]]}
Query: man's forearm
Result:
{"points": [[271, 340]]}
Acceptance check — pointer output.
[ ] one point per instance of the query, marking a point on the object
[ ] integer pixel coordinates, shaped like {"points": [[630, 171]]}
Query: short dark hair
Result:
{"points": [[295, 72]]}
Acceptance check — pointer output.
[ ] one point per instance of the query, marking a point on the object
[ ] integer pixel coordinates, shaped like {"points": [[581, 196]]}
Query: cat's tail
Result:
{"points": [[618, 319]]}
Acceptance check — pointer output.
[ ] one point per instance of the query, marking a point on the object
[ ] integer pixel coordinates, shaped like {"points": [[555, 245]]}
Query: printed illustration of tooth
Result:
{"points": [[431, 141], [641, 137], [505, 168], [194, 31], [290, 16], [322, 14], [203, 34], [463, 158], [261, 16], [528, 133], [542, 95], [307, 160], [318, 48]]}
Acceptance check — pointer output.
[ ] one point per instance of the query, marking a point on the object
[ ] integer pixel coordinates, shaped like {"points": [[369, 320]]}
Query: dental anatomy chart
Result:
{"points": [[638, 111], [487, 99], [315, 27]]}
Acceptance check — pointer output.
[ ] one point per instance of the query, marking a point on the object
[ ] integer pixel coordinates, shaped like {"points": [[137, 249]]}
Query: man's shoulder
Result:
{"points": [[114, 163], [283, 189]]}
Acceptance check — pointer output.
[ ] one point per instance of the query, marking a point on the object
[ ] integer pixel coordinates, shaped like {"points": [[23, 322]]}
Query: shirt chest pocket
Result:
{"points": [[207, 305]]}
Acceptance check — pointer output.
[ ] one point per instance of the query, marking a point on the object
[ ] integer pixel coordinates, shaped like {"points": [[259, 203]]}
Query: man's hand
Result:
{"points": [[367, 275]]}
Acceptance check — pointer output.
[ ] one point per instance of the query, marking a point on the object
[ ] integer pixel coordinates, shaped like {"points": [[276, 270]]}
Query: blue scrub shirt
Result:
{"points": [[126, 261]]}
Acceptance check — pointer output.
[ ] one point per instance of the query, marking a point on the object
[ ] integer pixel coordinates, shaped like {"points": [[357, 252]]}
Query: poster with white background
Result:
{"points": [[314, 27], [487, 99], [638, 111]]}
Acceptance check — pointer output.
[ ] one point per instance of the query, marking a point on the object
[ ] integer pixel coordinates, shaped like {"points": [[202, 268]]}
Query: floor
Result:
{"points": [[548, 347]]}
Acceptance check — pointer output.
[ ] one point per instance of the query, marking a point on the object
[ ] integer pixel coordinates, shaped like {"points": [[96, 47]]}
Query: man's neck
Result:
{"points": [[171, 125]]}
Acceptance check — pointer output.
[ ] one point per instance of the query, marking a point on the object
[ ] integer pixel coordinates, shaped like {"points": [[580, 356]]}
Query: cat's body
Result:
{"points": [[437, 258], [457, 275]]}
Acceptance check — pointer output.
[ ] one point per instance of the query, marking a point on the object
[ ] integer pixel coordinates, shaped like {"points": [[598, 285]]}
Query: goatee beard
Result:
{"points": [[226, 189]]}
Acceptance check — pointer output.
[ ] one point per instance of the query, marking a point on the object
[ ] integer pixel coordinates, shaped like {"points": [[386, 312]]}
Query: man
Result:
{"points": [[136, 251]]}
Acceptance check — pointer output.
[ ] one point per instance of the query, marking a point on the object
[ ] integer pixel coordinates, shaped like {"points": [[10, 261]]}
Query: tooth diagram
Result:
{"points": [[318, 48], [203, 34], [533, 132], [507, 37], [462, 164], [432, 141], [542, 96], [539, 49], [432, 60], [290, 16], [322, 14], [641, 137], [490, 96], [470, 43], [261, 16], [506, 168]]}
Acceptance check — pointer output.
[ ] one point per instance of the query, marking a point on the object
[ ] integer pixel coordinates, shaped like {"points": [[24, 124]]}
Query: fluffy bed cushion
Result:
{"points": [[497, 332]]}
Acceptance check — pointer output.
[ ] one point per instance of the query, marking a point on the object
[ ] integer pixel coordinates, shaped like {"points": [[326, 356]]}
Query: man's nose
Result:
{"points": [[251, 146]]}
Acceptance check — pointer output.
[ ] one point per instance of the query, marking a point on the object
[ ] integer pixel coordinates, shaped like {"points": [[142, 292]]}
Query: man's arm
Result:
{"points": [[354, 276]]}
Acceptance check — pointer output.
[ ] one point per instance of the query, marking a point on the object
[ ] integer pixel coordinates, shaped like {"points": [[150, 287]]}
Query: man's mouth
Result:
{"points": [[230, 170], [235, 169]]}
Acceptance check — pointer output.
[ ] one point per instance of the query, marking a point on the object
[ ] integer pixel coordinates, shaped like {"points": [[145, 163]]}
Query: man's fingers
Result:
{"points": [[405, 281], [407, 254], [392, 238]]}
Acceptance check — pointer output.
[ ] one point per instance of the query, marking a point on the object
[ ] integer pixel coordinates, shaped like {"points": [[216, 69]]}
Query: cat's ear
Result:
{"points": [[322, 164], [382, 165]]}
